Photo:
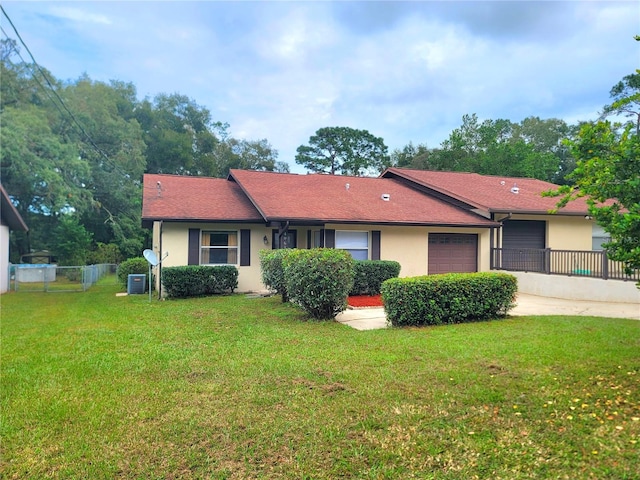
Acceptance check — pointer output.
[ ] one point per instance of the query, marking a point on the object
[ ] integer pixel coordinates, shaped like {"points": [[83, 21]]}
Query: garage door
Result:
{"points": [[523, 242], [449, 253]]}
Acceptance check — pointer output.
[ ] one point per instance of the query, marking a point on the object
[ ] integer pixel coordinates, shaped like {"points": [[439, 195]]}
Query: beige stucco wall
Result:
{"points": [[407, 245], [175, 243], [564, 232]]}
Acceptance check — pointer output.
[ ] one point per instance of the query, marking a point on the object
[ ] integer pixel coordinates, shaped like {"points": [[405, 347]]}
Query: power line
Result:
{"points": [[53, 90], [34, 76]]}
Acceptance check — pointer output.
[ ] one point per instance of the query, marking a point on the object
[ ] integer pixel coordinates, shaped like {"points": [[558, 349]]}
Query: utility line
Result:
{"points": [[46, 78]]}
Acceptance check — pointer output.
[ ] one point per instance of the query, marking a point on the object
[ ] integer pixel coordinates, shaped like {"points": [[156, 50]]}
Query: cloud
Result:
{"points": [[78, 15], [405, 71]]}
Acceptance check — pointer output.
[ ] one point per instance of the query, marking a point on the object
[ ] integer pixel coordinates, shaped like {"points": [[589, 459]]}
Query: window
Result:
{"points": [[316, 241], [356, 243], [598, 237], [219, 248]]}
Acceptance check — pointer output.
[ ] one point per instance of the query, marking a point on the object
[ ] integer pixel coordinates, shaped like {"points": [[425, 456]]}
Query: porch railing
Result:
{"points": [[582, 263]]}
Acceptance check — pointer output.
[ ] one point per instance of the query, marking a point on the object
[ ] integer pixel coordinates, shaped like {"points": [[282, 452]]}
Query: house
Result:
{"points": [[430, 222], [10, 219], [516, 203]]}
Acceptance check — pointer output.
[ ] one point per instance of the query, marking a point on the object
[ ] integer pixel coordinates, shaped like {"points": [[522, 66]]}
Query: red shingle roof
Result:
{"points": [[491, 193], [342, 199], [176, 197]]}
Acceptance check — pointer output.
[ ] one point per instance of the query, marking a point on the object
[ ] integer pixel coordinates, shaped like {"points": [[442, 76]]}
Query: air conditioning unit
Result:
{"points": [[136, 283]]}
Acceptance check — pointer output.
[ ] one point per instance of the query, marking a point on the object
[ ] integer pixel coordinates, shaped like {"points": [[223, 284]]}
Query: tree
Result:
{"points": [[70, 241], [111, 143], [532, 148], [608, 170], [411, 156], [608, 173], [626, 99], [343, 150]]}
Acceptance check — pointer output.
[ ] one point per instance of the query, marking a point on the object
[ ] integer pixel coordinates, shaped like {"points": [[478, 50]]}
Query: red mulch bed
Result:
{"points": [[360, 301]]}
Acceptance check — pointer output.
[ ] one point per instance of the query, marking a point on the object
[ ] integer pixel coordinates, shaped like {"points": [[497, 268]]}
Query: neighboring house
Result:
{"points": [[10, 220], [430, 222]]}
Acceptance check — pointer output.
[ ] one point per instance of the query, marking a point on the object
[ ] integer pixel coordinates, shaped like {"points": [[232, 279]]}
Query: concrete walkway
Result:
{"points": [[374, 318]]}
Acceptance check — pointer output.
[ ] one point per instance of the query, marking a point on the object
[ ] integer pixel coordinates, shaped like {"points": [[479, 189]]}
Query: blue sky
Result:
{"points": [[405, 71]]}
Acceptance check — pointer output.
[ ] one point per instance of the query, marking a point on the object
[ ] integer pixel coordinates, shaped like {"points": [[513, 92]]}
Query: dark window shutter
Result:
{"points": [[245, 248], [321, 238], [330, 238], [308, 239], [194, 246], [375, 245]]}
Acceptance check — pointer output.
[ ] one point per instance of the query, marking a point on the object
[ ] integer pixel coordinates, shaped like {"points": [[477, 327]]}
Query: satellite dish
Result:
{"points": [[150, 256]]}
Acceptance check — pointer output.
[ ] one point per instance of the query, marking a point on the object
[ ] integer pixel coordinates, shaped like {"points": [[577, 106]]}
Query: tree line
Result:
{"points": [[533, 148], [73, 154]]}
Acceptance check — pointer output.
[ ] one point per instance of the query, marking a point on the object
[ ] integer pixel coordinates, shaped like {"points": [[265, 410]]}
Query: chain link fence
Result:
{"points": [[53, 278]]}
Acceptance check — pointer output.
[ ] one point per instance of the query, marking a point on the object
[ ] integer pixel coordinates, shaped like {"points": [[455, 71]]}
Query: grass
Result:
{"points": [[98, 386]]}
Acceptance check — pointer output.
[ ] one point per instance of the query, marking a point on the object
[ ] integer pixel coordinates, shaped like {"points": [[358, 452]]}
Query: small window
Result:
{"points": [[599, 237], [356, 243], [219, 248]]}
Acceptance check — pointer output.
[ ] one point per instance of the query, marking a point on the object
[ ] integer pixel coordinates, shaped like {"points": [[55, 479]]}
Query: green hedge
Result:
{"points": [[368, 275], [198, 280], [131, 266], [319, 280], [449, 298], [273, 271]]}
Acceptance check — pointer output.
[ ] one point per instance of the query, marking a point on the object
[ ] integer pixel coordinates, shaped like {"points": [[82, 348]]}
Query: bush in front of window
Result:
{"points": [[368, 275], [199, 280], [319, 280], [137, 265], [448, 298], [273, 271]]}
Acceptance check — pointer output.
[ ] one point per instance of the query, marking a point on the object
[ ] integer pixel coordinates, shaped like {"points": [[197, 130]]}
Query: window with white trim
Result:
{"points": [[219, 248], [356, 243]]}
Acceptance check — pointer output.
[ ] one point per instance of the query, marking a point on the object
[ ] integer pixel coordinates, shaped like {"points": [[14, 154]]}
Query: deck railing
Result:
{"points": [[582, 263]]}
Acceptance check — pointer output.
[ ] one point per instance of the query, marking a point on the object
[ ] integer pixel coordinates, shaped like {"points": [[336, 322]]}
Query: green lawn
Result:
{"points": [[99, 386]]}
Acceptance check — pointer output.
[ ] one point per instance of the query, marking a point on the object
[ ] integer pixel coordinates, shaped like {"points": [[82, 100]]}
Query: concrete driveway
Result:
{"points": [[374, 318]]}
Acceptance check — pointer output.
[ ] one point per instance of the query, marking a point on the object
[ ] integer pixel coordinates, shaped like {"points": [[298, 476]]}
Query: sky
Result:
{"points": [[404, 71]]}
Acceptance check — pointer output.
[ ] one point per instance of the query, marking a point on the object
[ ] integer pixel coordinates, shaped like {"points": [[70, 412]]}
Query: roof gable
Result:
{"points": [[490, 193], [184, 198], [343, 199]]}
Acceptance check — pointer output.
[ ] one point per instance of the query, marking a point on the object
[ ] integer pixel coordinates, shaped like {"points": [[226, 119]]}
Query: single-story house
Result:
{"points": [[10, 219], [429, 222]]}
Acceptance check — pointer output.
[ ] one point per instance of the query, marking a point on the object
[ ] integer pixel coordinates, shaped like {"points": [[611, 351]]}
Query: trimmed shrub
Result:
{"points": [[135, 265], [273, 271], [319, 280], [199, 280], [448, 298], [368, 275]]}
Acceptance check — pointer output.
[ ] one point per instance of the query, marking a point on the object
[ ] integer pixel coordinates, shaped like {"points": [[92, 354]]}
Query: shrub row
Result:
{"points": [[318, 280], [368, 275], [448, 298], [197, 280]]}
